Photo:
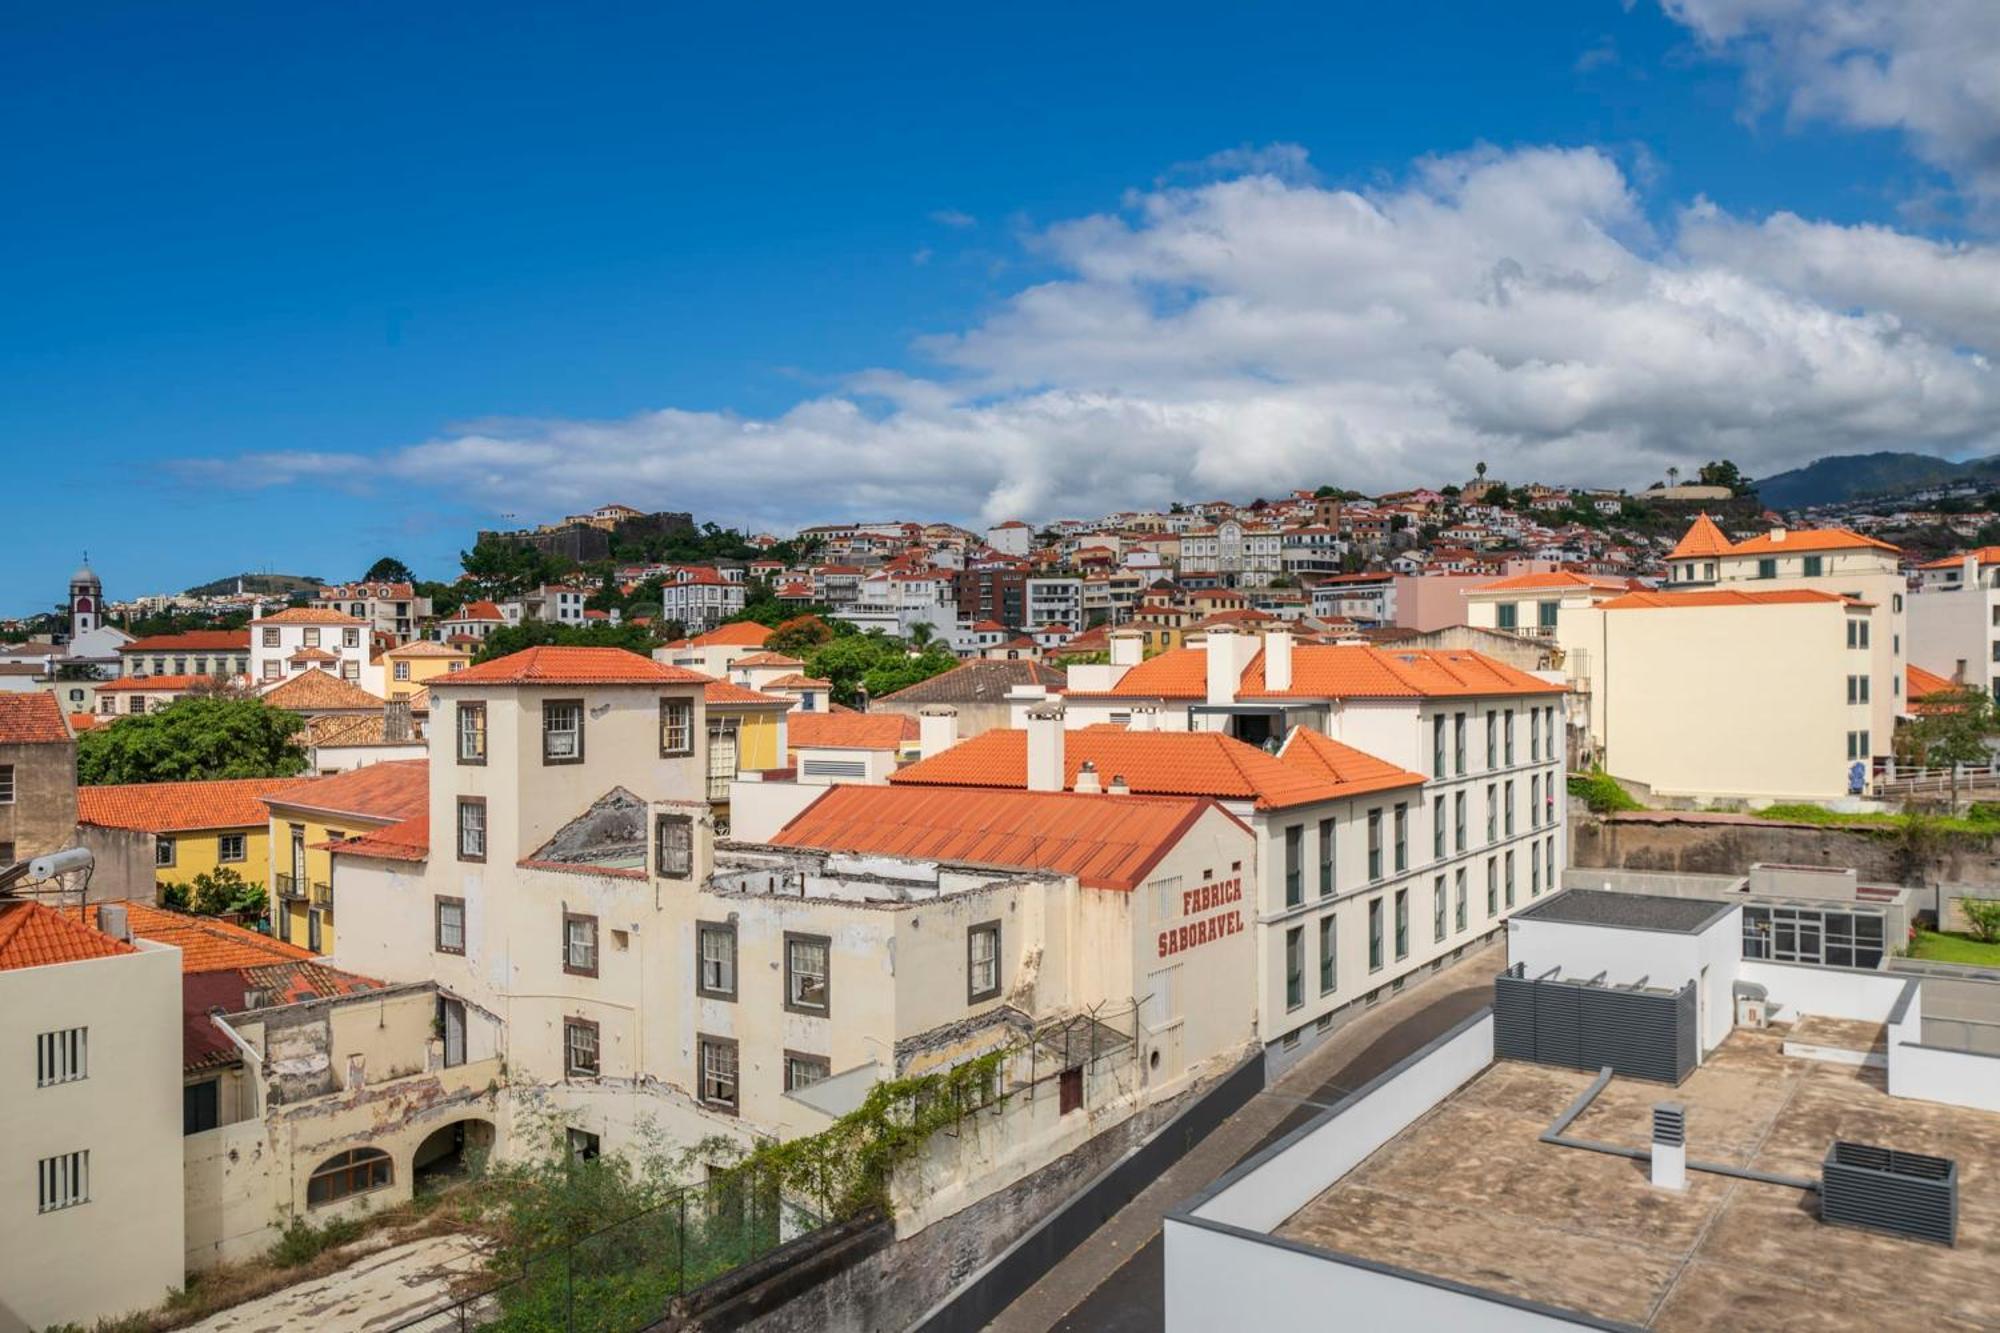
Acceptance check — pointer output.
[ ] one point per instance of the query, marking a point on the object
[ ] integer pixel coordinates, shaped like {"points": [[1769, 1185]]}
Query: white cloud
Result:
{"points": [[1928, 68], [1250, 334], [951, 217]]}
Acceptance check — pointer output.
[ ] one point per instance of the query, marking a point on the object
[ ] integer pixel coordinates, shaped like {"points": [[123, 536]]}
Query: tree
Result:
{"points": [[1953, 729], [193, 739], [541, 633], [875, 663], [799, 636], [1982, 918], [510, 568], [389, 570], [1479, 470], [217, 892], [922, 634], [1725, 473], [1673, 477]]}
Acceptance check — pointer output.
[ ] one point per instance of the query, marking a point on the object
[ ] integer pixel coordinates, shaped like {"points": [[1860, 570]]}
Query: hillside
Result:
{"points": [[1854, 476], [271, 585]]}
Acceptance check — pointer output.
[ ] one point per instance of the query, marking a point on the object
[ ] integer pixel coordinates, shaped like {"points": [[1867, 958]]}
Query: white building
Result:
{"points": [[389, 608], [1011, 538], [701, 599], [1955, 619], [301, 638], [1055, 601], [1232, 553]]}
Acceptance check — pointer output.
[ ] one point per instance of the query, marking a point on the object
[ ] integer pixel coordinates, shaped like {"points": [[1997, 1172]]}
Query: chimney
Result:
{"points": [[1086, 778], [1278, 659], [1777, 534], [1669, 1145], [1118, 786], [1145, 717], [1045, 748], [1128, 647], [1971, 576], [111, 920], [937, 729], [396, 720], [1223, 674]]}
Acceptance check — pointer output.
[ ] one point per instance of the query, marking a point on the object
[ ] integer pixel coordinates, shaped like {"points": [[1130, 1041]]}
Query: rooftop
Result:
{"points": [[552, 664], [1780, 541], [33, 934], [1587, 1232], [979, 681], [191, 641], [32, 719], [175, 807], [1337, 671], [849, 731], [391, 792], [1709, 597], [308, 615], [1629, 911], [319, 691]]}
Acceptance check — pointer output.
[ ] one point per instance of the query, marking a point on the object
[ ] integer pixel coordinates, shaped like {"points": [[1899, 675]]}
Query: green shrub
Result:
{"points": [[1598, 790], [302, 1242]]}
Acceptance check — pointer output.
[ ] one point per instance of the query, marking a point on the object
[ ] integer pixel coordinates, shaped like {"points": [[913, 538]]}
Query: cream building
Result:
{"points": [[1955, 619], [89, 1113], [297, 639]]}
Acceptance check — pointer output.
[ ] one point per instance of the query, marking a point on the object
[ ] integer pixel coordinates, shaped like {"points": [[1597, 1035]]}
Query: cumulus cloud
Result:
{"points": [[1928, 68], [952, 217], [1257, 332]]}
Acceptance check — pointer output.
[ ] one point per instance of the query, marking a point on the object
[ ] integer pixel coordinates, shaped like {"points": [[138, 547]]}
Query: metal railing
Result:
{"points": [[290, 886]]}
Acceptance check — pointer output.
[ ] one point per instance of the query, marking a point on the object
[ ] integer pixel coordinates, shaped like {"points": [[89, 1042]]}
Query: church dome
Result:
{"points": [[85, 574]]}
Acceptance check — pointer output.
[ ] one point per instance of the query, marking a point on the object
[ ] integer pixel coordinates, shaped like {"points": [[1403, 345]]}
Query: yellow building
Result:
{"points": [[408, 667], [746, 733], [305, 819], [197, 827]]}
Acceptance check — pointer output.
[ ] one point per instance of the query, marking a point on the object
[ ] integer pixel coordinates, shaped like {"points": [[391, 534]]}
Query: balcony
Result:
{"points": [[317, 893]]}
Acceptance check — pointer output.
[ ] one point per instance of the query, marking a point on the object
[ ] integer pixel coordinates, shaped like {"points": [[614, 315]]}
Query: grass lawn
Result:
{"points": [[1954, 948]]}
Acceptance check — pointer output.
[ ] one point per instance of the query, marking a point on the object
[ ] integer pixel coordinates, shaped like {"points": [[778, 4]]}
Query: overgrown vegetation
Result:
{"points": [[1982, 918], [1598, 790], [217, 892], [536, 633], [1980, 818], [212, 736]]}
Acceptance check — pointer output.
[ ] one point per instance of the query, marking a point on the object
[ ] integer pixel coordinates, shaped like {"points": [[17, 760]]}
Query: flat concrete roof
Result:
{"points": [[1471, 1195], [1628, 911]]}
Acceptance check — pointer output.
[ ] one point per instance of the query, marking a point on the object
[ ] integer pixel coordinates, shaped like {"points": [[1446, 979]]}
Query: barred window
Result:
{"points": [[64, 1181], [62, 1056]]}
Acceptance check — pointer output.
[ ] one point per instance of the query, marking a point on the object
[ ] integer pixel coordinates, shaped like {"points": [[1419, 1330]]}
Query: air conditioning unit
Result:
{"points": [[1752, 1013]]}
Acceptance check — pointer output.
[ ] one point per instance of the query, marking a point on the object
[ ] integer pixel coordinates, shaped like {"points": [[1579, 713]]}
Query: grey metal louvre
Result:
{"points": [[1559, 1023], [1514, 1015], [1883, 1189], [1649, 1034]]}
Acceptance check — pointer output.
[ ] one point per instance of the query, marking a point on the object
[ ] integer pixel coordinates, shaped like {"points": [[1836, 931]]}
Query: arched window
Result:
{"points": [[353, 1172]]}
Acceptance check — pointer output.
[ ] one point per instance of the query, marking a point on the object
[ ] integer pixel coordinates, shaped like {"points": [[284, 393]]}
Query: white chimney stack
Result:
{"points": [[1669, 1145], [937, 729], [1223, 673], [1128, 647], [1045, 749], [1086, 779], [1118, 786], [1145, 717], [1278, 659]]}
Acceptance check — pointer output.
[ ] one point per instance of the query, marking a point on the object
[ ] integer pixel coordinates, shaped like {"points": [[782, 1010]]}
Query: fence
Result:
{"points": [[627, 1275]]}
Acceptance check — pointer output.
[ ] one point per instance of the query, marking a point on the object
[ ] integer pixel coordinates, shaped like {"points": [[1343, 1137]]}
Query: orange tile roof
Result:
{"points": [[391, 792], [553, 664], [319, 691], [481, 610], [206, 944], [849, 731], [1810, 539], [1107, 842], [426, 648], [1641, 601], [177, 807], [32, 719], [1354, 772], [1703, 538], [1339, 671], [33, 934], [767, 660], [723, 693], [1553, 579], [151, 684], [741, 634], [1171, 763], [82, 722], [192, 641], [308, 615], [313, 655], [1988, 555], [409, 840], [795, 681], [1922, 682]]}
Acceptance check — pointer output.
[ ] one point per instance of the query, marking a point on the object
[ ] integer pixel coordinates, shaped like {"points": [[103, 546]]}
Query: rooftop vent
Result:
{"points": [[1881, 1189]]}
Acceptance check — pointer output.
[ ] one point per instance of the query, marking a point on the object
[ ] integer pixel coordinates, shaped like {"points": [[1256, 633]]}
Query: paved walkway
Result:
{"points": [[1114, 1280], [377, 1292]]}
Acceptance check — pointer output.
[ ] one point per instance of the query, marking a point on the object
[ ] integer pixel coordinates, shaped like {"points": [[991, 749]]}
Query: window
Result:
{"points": [[1375, 935], [802, 1071], [676, 726], [1437, 746], [1857, 630], [350, 638], [982, 962], [718, 1074], [1437, 829], [356, 1171], [1458, 744], [64, 1181], [1507, 737], [62, 1056], [1549, 855], [309, 636], [1815, 566], [270, 636], [1535, 801], [1329, 952], [1509, 615], [163, 851], [1507, 806], [1534, 736], [451, 1026], [580, 1048], [6, 784], [273, 669], [313, 925], [1295, 853], [1437, 910], [674, 838], [201, 1106], [1458, 821], [715, 960], [448, 918], [1375, 844], [1857, 745], [562, 731], [579, 944], [402, 671], [806, 973], [1295, 967], [230, 847], [1492, 739], [1767, 569], [1458, 909], [471, 733], [1492, 887], [1545, 614], [471, 828], [1326, 848], [584, 1146], [1510, 879], [1534, 873], [1492, 813], [1402, 837], [1402, 924]]}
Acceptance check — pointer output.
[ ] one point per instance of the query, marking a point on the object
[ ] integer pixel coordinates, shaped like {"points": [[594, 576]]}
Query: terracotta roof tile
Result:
{"points": [[33, 934], [849, 731], [409, 840], [981, 681], [1339, 671], [553, 664], [153, 684], [1809, 539], [191, 641], [1553, 579], [319, 691], [1174, 763], [32, 719], [1703, 538], [1921, 683], [724, 693], [1107, 842], [308, 615], [1709, 597], [1353, 772], [1987, 555], [391, 791], [176, 807], [423, 648], [741, 634], [767, 660]]}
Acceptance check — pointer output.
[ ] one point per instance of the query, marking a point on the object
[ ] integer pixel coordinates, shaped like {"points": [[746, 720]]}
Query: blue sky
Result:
{"points": [[291, 287]]}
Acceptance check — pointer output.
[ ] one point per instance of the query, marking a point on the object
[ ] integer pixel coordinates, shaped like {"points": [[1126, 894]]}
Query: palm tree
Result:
{"points": [[922, 633], [1479, 470], [1673, 476]]}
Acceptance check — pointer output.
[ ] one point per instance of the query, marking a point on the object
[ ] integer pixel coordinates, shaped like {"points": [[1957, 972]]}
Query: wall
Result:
{"points": [[1719, 844], [200, 851], [124, 863], [125, 1112], [1667, 959], [757, 810], [43, 812], [1830, 992], [1434, 601], [1952, 625]]}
